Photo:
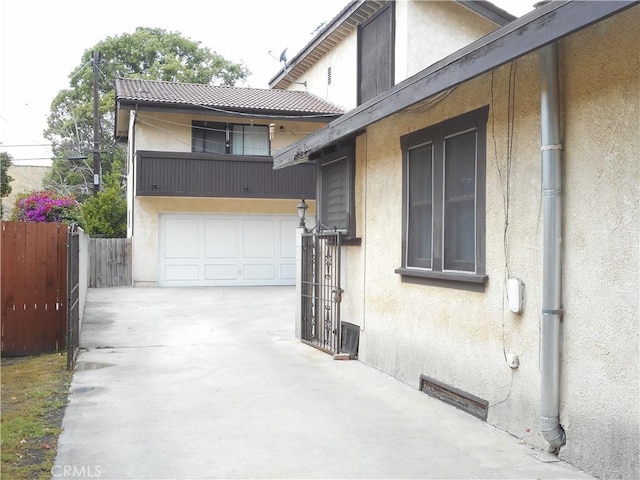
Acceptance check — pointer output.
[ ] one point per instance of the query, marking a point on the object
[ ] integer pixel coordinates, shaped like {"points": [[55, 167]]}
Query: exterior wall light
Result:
{"points": [[302, 208]]}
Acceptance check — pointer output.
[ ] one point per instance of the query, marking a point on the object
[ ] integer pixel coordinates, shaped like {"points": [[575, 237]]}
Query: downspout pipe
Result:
{"points": [[552, 250]]}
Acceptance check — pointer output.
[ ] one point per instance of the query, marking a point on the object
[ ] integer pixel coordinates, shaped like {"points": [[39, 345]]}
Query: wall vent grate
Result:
{"points": [[464, 401], [349, 339]]}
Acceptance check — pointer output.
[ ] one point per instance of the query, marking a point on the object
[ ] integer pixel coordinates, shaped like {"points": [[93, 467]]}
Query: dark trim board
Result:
{"points": [[532, 31]]}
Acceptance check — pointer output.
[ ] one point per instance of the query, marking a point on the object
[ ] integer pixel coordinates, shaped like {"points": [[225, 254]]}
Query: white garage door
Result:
{"points": [[223, 250]]}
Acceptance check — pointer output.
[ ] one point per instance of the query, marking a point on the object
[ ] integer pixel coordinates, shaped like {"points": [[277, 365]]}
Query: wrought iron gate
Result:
{"points": [[321, 291]]}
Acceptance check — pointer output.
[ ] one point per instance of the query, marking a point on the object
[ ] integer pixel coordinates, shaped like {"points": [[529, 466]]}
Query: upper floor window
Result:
{"points": [[235, 139], [376, 54], [444, 199]]}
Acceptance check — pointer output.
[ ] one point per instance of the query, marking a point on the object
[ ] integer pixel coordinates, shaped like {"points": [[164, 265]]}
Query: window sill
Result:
{"points": [[469, 281], [351, 242]]}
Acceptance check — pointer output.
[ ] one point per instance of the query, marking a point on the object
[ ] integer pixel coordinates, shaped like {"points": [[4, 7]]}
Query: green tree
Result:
{"points": [[149, 53], [5, 179], [106, 213]]}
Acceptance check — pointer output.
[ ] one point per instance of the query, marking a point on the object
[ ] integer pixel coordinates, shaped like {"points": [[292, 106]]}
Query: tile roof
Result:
{"points": [[232, 99]]}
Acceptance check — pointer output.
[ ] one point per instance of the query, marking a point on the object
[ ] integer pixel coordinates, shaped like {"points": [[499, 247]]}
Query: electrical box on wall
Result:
{"points": [[515, 294]]}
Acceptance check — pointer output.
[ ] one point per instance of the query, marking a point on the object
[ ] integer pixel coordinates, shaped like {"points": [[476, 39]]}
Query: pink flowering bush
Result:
{"points": [[47, 206]]}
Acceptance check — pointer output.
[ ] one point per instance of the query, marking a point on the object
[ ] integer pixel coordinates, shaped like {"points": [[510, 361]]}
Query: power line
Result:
{"points": [[2, 145]]}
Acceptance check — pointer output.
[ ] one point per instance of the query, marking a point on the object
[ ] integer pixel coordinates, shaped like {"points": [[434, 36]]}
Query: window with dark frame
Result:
{"points": [[335, 191], [444, 199], [228, 138]]}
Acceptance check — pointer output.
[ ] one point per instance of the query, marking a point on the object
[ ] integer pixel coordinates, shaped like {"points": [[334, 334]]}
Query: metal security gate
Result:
{"points": [[73, 296], [321, 291]]}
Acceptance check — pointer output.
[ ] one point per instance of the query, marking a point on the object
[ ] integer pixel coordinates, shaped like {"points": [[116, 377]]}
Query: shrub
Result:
{"points": [[47, 206]]}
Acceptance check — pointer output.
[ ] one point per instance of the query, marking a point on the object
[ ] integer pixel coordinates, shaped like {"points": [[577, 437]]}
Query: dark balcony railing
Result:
{"points": [[215, 175]]}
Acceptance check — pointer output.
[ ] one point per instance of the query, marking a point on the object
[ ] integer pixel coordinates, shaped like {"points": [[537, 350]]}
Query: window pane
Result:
{"points": [[250, 140], [460, 202], [420, 206], [334, 207], [198, 140], [237, 140], [208, 137]]}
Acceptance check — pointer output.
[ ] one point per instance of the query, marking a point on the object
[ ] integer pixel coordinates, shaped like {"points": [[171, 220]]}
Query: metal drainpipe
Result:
{"points": [[552, 250]]}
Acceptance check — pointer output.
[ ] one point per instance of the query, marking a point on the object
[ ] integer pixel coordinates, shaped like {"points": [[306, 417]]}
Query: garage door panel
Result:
{"points": [[223, 249], [221, 272], [258, 239], [259, 272], [221, 238], [287, 230], [181, 273], [181, 238], [288, 271]]}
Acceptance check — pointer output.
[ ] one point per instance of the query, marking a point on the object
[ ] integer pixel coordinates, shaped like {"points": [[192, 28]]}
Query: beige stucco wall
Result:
{"points": [[460, 337], [450, 27], [344, 74], [161, 131], [429, 31]]}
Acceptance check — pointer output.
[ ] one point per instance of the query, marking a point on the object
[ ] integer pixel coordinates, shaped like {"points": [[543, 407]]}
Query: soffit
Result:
{"points": [[332, 34]]}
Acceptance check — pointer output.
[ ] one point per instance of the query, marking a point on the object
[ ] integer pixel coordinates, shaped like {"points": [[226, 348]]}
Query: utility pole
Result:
{"points": [[97, 165]]}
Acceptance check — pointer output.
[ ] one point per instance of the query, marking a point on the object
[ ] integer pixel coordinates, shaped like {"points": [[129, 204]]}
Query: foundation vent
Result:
{"points": [[464, 401], [349, 339]]}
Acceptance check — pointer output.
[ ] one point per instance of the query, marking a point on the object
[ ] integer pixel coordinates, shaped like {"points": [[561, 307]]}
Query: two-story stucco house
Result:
{"points": [[205, 207], [490, 222]]}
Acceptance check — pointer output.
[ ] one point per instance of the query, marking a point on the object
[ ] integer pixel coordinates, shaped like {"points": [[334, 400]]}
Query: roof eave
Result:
{"points": [[130, 104], [280, 80], [546, 24]]}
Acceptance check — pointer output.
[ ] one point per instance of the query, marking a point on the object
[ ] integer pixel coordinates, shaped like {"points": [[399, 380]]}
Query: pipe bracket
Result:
{"points": [[557, 146]]}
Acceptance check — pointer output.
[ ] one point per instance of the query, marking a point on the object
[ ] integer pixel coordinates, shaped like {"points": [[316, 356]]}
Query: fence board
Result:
{"points": [[110, 262], [33, 287], [50, 288], [62, 285]]}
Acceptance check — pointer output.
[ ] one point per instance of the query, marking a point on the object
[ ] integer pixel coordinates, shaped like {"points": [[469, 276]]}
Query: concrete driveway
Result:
{"points": [[200, 383]]}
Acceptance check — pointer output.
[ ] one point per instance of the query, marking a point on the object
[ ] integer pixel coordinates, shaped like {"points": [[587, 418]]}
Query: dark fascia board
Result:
{"points": [[489, 11], [318, 39], [548, 23]]}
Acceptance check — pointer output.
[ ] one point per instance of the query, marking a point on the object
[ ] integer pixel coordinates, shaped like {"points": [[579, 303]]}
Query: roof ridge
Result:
{"points": [[207, 85]]}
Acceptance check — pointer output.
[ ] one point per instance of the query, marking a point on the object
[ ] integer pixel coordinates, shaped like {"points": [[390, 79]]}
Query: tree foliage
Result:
{"points": [[149, 53], [106, 213], [5, 179]]}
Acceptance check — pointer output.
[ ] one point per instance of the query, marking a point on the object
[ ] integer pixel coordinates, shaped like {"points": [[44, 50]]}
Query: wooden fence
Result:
{"points": [[110, 262], [33, 287]]}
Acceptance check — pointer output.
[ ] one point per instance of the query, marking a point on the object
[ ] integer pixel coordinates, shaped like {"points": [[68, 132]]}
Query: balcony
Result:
{"points": [[180, 174]]}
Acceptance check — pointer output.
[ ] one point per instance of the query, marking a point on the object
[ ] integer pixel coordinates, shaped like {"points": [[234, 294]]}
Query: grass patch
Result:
{"points": [[34, 396]]}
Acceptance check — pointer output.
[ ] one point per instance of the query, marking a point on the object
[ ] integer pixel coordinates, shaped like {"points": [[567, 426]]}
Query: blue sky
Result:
{"points": [[42, 41]]}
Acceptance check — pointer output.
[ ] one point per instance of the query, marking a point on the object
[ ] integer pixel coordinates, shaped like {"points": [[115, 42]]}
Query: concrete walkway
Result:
{"points": [[203, 383]]}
